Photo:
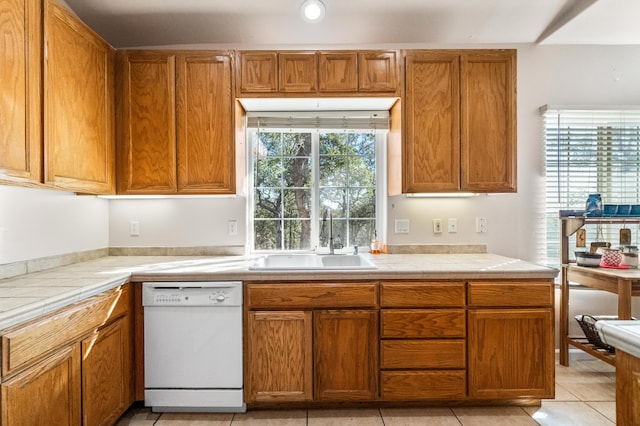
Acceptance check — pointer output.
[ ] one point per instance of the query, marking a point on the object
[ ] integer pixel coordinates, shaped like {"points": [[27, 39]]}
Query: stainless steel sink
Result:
{"points": [[311, 262]]}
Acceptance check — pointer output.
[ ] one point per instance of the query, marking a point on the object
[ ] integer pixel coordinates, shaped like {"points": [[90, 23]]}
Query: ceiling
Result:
{"points": [[255, 23]]}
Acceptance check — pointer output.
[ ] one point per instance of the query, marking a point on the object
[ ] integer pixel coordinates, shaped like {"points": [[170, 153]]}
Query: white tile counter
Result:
{"points": [[28, 296], [621, 334]]}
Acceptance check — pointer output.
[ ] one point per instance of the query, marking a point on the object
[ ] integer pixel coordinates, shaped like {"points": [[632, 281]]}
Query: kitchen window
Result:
{"points": [[589, 151], [310, 171]]}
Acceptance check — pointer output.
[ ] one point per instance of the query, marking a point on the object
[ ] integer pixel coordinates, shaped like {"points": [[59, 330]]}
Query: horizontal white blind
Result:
{"points": [[590, 151], [335, 120]]}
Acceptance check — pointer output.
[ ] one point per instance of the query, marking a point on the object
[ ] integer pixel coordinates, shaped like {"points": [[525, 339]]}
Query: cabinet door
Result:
{"points": [[346, 355], [78, 105], [378, 72], [511, 353], [20, 133], [258, 72], [488, 93], [298, 72], [146, 123], [45, 394], [338, 72], [206, 155], [278, 356], [431, 146], [107, 388]]}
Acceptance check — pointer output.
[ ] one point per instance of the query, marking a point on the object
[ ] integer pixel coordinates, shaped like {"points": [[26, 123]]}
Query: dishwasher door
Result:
{"points": [[193, 346]]}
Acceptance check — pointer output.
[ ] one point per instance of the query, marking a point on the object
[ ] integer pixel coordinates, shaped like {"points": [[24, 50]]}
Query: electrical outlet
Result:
{"points": [[437, 226], [233, 227], [402, 226], [134, 228], [453, 225], [481, 224]]}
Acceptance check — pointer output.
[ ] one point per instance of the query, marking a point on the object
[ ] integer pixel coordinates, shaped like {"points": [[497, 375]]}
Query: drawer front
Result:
{"points": [[419, 294], [424, 354], [311, 295], [420, 385], [24, 344], [511, 293], [426, 323]]}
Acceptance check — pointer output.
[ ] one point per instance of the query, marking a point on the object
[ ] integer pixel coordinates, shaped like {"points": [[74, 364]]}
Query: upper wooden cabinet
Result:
{"points": [[175, 123], [459, 121], [20, 91], [317, 73], [78, 105]]}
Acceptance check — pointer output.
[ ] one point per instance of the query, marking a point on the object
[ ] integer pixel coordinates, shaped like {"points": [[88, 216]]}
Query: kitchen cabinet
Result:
{"points": [[279, 363], [314, 342], [422, 340], [79, 148], [511, 339], [20, 91], [76, 361], [176, 128], [459, 121], [317, 73]]}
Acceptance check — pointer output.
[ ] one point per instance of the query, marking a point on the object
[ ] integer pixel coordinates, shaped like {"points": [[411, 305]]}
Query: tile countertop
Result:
{"points": [[621, 334], [27, 296]]}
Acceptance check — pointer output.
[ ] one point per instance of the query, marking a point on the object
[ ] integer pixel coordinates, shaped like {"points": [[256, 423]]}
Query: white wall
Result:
{"points": [[38, 223]]}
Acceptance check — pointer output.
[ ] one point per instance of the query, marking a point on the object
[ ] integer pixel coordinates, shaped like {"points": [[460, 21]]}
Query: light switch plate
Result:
{"points": [[402, 226], [453, 225], [437, 226]]}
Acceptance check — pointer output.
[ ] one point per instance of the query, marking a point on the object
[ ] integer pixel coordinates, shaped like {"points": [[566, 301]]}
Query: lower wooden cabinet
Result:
{"points": [[47, 393], [278, 360], [107, 387], [70, 367], [345, 355]]}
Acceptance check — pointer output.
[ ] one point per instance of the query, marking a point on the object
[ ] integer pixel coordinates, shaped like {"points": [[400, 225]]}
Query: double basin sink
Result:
{"points": [[312, 262]]}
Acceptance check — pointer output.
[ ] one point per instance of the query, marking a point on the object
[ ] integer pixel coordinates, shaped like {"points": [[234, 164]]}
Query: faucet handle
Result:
{"points": [[355, 249]]}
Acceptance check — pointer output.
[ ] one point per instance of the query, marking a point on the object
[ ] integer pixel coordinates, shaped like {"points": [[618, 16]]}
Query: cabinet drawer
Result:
{"points": [[417, 385], [407, 323], [421, 294], [427, 354], [26, 343], [511, 293], [311, 295]]}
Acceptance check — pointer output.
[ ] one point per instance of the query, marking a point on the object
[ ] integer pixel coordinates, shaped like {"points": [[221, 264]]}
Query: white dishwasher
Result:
{"points": [[193, 346]]}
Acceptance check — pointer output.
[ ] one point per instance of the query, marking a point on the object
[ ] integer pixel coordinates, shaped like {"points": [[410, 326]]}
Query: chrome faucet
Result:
{"points": [[331, 248]]}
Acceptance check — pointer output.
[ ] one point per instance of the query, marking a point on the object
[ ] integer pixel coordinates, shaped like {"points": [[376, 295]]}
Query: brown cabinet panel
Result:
{"points": [[298, 72], [488, 93], [427, 354], [147, 126], [46, 394], [278, 356], [407, 294], [311, 295], [431, 151], [512, 293], [107, 386], [20, 99], [78, 105], [421, 385], [511, 353], [338, 72], [424, 323], [258, 72], [346, 355], [206, 154], [378, 72]]}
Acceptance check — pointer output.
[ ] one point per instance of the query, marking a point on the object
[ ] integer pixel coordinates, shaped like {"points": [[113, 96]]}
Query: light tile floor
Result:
{"points": [[585, 396]]}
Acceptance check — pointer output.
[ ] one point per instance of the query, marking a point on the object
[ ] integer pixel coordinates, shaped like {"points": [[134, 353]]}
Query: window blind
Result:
{"points": [[335, 120], [594, 150]]}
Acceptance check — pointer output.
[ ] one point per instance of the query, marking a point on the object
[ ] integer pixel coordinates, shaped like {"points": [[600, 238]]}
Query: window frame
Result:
{"points": [[381, 137]]}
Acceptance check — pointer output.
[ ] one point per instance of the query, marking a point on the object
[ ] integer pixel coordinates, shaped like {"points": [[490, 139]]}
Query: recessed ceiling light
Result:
{"points": [[312, 10]]}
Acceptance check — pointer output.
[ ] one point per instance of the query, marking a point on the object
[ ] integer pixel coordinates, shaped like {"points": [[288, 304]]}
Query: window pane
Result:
{"points": [[333, 171], [267, 234], [361, 232], [297, 234], [268, 172], [296, 144], [297, 203], [336, 197], [269, 144], [362, 144], [268, 203], [297, 172], [362, 202], [333, 143]]}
